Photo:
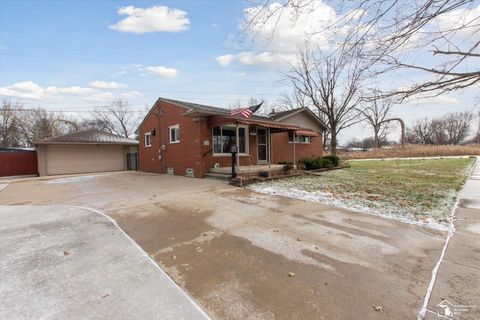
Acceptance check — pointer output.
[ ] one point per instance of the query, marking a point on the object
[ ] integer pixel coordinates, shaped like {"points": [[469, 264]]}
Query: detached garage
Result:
{"points": [[86, 151]]}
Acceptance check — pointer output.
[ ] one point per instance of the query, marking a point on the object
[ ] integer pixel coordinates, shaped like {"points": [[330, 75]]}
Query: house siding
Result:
{"points": [[301, 119]]}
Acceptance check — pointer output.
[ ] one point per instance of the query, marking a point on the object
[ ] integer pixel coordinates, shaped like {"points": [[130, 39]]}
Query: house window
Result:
{"points": [[298, 139], [224, 137], [174, 134], [148, 139]]}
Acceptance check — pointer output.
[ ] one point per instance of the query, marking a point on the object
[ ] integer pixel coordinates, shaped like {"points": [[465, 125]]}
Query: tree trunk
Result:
{"points": [[333, 143], [376, 143], [325, 139]]}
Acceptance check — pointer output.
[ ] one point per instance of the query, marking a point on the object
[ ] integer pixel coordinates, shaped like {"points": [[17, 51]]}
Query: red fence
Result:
{"points": [[18, 163]]}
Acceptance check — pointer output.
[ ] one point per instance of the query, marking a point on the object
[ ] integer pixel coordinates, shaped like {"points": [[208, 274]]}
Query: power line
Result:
{"points": [[125, 63], [203, 79]]}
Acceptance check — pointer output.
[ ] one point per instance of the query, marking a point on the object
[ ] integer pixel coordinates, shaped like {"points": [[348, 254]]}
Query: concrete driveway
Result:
{"points": [[61, 262], [243, 255]]}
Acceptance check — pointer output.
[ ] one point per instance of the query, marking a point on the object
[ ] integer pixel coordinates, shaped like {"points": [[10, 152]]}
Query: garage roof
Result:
{"points": [[89, 136]]}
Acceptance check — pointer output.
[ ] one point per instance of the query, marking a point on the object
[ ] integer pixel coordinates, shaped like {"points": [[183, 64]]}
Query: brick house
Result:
{"points": [[190, 139]]}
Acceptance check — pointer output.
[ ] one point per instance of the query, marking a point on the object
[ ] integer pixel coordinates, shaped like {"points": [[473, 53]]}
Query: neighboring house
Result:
{"points": [[190, 139], [84, 152]]}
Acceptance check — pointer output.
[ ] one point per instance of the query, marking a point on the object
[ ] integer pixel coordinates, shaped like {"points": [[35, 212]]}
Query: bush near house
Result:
{"points": [[320, 162]]}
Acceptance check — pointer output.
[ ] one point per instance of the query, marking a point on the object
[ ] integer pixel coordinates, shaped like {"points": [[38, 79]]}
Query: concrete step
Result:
{"points": [[219, 176]]}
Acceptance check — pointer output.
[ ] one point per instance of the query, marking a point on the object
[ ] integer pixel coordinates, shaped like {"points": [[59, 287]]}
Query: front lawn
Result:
{"points": [[417, 190]]}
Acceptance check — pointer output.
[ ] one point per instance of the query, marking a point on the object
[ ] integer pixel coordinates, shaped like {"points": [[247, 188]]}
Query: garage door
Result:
{"points": [[65, 159]]}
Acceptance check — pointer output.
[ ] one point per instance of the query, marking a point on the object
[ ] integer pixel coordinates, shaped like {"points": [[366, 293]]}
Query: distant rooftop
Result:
{"points": [[90, 136]]}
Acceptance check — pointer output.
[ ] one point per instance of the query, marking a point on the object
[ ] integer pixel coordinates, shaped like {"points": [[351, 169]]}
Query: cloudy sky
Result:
{"points": [[76, 56]]}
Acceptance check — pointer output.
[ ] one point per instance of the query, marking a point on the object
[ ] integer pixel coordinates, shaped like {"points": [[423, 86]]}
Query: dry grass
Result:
{"points": [[411, 151], [418, 190]]}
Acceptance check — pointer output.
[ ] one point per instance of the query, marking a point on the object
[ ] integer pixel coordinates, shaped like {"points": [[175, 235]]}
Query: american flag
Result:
{"points": [[245, 112]]}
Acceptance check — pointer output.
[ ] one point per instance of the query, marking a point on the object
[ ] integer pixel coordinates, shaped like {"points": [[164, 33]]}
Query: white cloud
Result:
{"points": [[33, 91], [106, 85], [162, 71], [252, 58], [100, 97], [118, 74], [75, 90], [215, 25], [130, 94], [460, 18], [225, 60], [284, 31], [157, 18], [288, 28], [433, 101]]}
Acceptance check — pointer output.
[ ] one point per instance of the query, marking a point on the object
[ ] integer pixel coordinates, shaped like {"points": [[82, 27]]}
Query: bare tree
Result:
{"points": [[453, 128], [377, 114], [117, 118], [37, 124], [10, 131], [421, 132], [391, 29], [476, 138], [293, 101], [332, 85]]}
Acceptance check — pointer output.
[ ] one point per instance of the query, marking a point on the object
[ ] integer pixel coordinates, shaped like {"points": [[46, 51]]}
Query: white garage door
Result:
{"points": [[65, 159]]}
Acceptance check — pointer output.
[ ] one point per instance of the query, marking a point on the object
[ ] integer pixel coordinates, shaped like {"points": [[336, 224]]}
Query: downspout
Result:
{"points": [[270, 145], [294, 156]]}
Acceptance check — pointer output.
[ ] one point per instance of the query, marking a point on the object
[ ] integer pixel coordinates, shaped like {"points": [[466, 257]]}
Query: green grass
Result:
{"points": [[415, 189]]}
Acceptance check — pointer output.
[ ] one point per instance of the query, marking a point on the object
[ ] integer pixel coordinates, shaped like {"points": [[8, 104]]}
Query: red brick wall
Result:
{"points": [[179, 156], [283, 150]]}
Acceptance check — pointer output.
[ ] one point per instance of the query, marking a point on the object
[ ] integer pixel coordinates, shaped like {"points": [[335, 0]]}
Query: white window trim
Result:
{"points": [[149, 134], [299, 142], [247, 142], [175, 126]]}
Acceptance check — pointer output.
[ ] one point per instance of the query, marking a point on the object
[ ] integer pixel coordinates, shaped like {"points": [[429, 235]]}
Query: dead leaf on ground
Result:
{"points": [[275, 230], [66, 252], [291, 274], [378, 308]]}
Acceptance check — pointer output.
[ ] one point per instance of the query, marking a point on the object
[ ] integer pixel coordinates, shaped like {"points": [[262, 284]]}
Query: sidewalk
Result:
{"points": [[62, 262], [456, 293]]}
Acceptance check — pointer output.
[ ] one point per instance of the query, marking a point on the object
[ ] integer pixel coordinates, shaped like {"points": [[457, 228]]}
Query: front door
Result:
{"points": [[262, 145]]}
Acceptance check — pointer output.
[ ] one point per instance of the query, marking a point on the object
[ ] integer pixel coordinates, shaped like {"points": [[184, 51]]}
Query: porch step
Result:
{"points": [[218, 176]]}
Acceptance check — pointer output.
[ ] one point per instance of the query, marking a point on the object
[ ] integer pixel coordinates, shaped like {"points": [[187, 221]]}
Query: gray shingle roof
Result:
{"points": [[90, 136], [281, 114], [196, 106]]}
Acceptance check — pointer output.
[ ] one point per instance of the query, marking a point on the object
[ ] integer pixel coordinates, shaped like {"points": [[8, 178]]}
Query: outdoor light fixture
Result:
{"points": [[153, 132]]}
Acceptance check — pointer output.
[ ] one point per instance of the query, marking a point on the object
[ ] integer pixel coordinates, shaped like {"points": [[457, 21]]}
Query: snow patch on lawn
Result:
{"points": [[355, 204]]}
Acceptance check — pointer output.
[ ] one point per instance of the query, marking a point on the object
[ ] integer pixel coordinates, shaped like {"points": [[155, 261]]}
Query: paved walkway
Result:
{"points": [[456, 293], [62, 262]]}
